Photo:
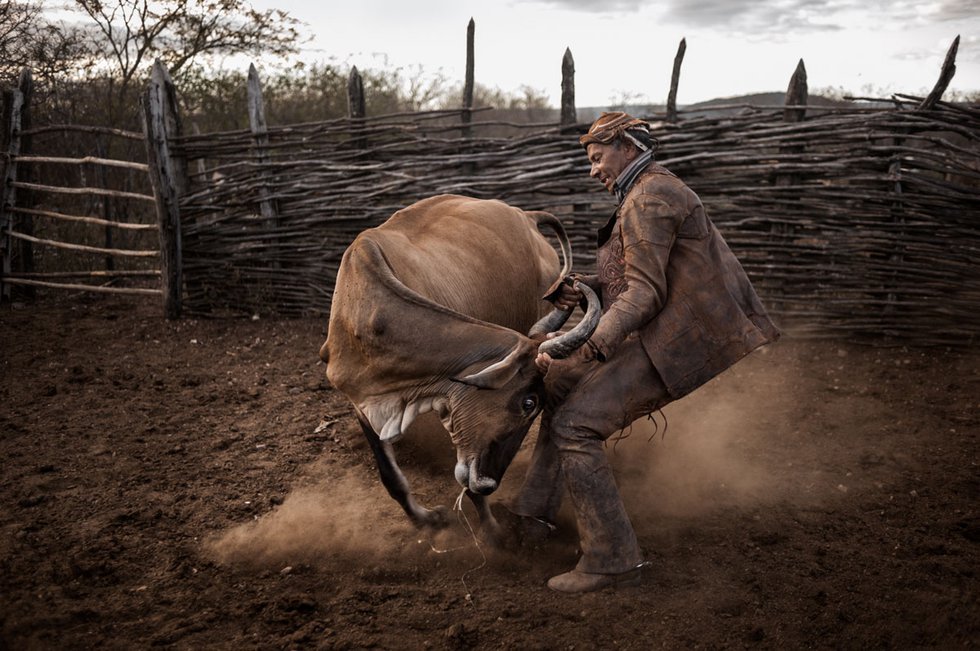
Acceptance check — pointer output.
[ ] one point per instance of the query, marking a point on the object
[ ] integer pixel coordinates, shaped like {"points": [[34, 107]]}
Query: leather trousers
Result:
{"points": [[570, 453]]}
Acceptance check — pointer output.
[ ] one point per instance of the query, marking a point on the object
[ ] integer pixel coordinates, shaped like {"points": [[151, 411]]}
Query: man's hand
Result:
{"points": [[570, 295], [543, 360], [561, 375]]}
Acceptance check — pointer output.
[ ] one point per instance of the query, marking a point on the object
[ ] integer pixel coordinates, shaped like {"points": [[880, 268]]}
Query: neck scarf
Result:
{"points": [[628, 176]]}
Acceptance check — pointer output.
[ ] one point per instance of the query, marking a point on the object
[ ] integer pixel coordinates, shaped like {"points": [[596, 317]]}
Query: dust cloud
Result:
{"points": [[712, 449], [683, 461], [342, 517], [720, 448]]}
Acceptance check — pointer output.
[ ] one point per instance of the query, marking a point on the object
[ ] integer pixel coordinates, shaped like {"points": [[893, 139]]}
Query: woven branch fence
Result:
{"points": [[856, 220]]}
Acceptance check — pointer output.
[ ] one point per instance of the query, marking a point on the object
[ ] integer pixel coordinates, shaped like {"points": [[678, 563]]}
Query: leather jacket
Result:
{"points": [[667, 276]]}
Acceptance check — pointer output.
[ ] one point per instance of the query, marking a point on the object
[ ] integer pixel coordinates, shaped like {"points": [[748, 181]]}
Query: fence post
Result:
{"points": [[467, 116], [168, 175], [356, 108], [25, 223], [675, 77], [796, 95], [468, 168], [795, 103], [897, 209], [568, 117], [13, 106], [102, 151], [945, 76], [795, 111], [260, 135]]}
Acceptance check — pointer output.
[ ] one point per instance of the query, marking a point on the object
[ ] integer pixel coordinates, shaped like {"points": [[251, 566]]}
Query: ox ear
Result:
{"points": [[496, 374]]}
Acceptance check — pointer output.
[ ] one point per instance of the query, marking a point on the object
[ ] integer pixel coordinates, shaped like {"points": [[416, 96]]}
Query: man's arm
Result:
{"points": [[650, 223]]}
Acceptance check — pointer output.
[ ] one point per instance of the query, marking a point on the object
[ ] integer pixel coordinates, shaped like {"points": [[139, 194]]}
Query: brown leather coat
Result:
{"points": [[667, 276]]}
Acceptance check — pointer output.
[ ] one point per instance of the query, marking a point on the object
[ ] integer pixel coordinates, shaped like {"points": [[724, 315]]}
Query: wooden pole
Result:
{"points": [[201, 167], [467, 116], [945, 76], [260, 135], [356, 108], [134, 253], [795, 101], [168, 175], [796, 95], [568, 117], [29, 282], [83, 190], [675, 77], [101, 148], [84, 160], [25, 222], [13, 106]]}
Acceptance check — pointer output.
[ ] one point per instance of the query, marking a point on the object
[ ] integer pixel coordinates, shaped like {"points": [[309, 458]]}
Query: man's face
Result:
{"points": [[608, 161]]}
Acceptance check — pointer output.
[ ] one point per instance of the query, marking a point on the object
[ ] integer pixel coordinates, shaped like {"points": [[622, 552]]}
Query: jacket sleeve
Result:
{"points": [[650, 222]]}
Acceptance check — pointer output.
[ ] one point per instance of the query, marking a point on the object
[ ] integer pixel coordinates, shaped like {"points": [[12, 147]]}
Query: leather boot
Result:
{"points": [[606, 536], [577, 581]]}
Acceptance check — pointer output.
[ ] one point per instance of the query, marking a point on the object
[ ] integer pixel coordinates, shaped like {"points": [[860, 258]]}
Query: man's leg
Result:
{"points": [[540, 496], [618, 392]]}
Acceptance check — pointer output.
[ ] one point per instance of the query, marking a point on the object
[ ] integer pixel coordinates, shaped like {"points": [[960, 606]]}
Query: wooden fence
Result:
{"points": [[859, 219], [73, 222], [856, 219]]}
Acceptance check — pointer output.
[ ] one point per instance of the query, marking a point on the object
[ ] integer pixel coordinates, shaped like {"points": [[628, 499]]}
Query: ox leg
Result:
{"points": [[495, 463], [396, 484], [490, 530]]}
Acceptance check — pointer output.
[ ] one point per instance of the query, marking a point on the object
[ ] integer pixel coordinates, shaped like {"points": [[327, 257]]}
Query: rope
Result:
{"points": [[461, 517]]}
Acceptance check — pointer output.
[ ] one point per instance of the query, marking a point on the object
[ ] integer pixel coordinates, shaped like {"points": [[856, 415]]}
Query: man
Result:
{"points": [[678, 310]]}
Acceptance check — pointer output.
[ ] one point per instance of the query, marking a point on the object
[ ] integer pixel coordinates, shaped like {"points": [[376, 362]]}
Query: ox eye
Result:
{"points": [[529, 404]]}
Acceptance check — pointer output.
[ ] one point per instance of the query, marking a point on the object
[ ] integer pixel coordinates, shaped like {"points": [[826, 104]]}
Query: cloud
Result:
{"points": [[763, 18], [597, 6], [736, 16], [768, 18], [935, 53], [957, 10]]}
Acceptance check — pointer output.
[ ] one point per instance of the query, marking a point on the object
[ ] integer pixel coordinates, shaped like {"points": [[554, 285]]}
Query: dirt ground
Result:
{"points": [[196, 484]]}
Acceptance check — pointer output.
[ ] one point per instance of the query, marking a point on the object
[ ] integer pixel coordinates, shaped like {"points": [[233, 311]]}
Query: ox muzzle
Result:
{"points": [[469, 477]]}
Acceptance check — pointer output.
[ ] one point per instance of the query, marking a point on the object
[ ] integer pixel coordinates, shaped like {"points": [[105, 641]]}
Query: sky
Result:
{"points": [[624, 49]]}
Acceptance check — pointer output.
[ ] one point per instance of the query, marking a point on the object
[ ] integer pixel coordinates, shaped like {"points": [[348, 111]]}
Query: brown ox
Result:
{"points": [[429, 314]]}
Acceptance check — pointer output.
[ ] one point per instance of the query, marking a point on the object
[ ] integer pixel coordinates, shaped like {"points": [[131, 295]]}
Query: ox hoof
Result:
{"points": [[435, 518], [494, 536], [523, 531]]}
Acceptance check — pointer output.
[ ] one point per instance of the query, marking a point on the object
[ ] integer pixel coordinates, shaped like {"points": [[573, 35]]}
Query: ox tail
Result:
{"points": [[542, 218]]}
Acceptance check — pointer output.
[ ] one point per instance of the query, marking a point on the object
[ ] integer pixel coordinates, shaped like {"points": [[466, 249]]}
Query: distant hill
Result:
{"points": [[706, 109], [764, 99], [700, 109]]}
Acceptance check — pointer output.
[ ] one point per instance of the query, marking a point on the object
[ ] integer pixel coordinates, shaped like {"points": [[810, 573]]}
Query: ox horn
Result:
{"points": [[497, 374], [555, 319], [563, 345], [542, 218], [551, 322]]}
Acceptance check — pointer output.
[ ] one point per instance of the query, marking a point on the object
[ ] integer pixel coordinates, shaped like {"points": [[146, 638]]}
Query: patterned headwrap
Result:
{"points": [[611, 125]]}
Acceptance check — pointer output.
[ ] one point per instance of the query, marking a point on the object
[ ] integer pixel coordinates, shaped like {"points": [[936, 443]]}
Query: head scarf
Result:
{"points": [[615, 124]]}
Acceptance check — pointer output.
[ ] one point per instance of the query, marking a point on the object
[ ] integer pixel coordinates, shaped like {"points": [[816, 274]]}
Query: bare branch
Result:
{"points": [[132, 33]]}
